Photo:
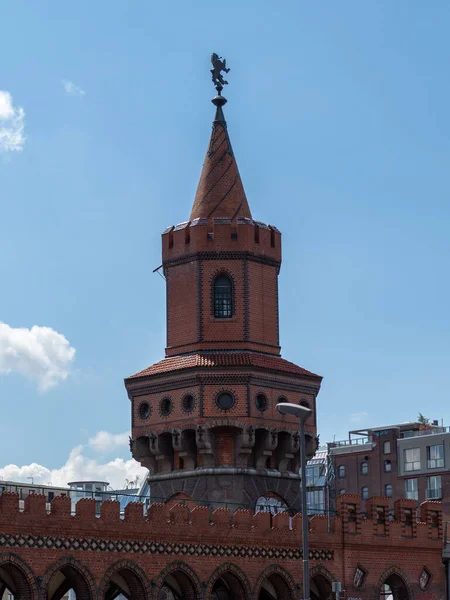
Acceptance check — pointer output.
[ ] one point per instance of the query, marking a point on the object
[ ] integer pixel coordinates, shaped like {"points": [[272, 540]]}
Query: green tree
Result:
{"points": [[423, 420]]}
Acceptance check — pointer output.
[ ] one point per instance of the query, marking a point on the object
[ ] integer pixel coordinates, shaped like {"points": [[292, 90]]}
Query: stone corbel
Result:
{"points": [[245, 443], [177, 440], [204, 442], [140, 448]]}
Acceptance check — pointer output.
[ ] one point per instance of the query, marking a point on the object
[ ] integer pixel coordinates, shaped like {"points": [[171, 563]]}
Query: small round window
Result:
{"points": [[144, 410], [261, 402], [225, 400], [188, 402], [165, 407]]}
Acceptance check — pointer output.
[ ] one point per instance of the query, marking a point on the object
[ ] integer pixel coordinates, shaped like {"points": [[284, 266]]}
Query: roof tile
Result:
{"points": [[223, 360]]}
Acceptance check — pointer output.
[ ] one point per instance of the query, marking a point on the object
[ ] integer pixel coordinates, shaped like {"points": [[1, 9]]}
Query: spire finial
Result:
{"points": [[219, 64]]}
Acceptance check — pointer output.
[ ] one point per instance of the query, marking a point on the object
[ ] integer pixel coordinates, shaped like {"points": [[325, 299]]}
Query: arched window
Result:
{"points": [[223, 297], [364, 468], [341, 471], [365, 493]]}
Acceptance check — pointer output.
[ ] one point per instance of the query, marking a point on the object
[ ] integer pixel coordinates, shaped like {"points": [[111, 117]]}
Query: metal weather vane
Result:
{"points": [[219, 64]]}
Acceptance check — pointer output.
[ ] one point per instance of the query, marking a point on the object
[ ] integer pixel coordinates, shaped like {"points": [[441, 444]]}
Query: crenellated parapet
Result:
{"points": [[191, 522], [221, 235]]}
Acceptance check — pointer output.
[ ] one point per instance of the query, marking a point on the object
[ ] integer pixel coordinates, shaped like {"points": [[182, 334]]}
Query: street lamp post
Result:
{"points": [[302, 413]]}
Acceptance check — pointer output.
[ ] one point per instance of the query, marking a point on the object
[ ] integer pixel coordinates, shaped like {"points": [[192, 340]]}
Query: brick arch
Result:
{"points": [[285, 589], [321, 571], [240, 585], [135, 577], [189, 579], [228, 273], [22, 575], [79, 575], [393, 570]]}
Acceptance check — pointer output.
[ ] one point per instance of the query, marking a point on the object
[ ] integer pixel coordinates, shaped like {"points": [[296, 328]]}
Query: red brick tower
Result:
{"points": [[204, 419]]}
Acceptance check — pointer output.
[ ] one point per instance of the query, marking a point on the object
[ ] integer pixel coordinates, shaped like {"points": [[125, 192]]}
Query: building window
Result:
{"points": [[144, 410], [165, 407], [261, 402], [411, 489], [341, 471], [365, 493], [312, 475], [435, 456], [188, 403], [387, 447], [359, 576], [223, 297], [425, 578], [388, 490], [225, 400], [387, 466], [315, 502], [412, 459], [364, 468], [342, 491], [434, 487]]}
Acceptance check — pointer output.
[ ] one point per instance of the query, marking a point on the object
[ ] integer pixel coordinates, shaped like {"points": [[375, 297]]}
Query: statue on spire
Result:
{"points": [[219, 64]]}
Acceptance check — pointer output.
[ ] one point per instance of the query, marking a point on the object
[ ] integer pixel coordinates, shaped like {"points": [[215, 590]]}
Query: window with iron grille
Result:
{"points": [[223, 297], [435, 456]]}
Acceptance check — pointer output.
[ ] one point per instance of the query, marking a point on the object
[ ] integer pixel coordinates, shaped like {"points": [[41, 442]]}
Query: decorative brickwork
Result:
{"points": [[199, 451]]}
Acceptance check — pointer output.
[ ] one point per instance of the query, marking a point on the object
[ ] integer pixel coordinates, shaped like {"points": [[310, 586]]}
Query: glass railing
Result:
{"points": [[354, 442], [434, 494], [412, 495], [419, 432]]}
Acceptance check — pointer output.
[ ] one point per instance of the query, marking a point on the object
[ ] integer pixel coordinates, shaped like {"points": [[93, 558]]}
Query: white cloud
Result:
{"points": [[358, 417], [12, 124], [40, 353], [72, 89], [79, 467], [103, 441]]}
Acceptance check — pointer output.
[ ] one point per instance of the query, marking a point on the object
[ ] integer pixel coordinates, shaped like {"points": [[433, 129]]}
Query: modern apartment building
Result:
{"points": [[408, 460]]}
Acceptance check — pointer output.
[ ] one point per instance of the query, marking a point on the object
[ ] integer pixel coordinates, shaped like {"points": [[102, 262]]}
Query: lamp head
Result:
{"points": [[296, 410]]}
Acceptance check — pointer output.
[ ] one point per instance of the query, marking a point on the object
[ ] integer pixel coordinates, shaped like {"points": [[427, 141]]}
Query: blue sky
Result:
{"points": [[338, 115]]}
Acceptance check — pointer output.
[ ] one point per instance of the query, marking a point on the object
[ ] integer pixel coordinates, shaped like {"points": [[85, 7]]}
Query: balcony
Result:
{"points": [[433, 494], [355, 442], [412, 495], [420, 432]]}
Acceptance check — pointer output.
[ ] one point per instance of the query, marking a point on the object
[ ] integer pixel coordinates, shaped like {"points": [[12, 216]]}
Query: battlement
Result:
{"points": [[191, 522], [221, 235]]}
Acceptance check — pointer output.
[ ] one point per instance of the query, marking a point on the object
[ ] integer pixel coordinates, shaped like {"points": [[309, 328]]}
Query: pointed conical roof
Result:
{"points": [[220, 192]]}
